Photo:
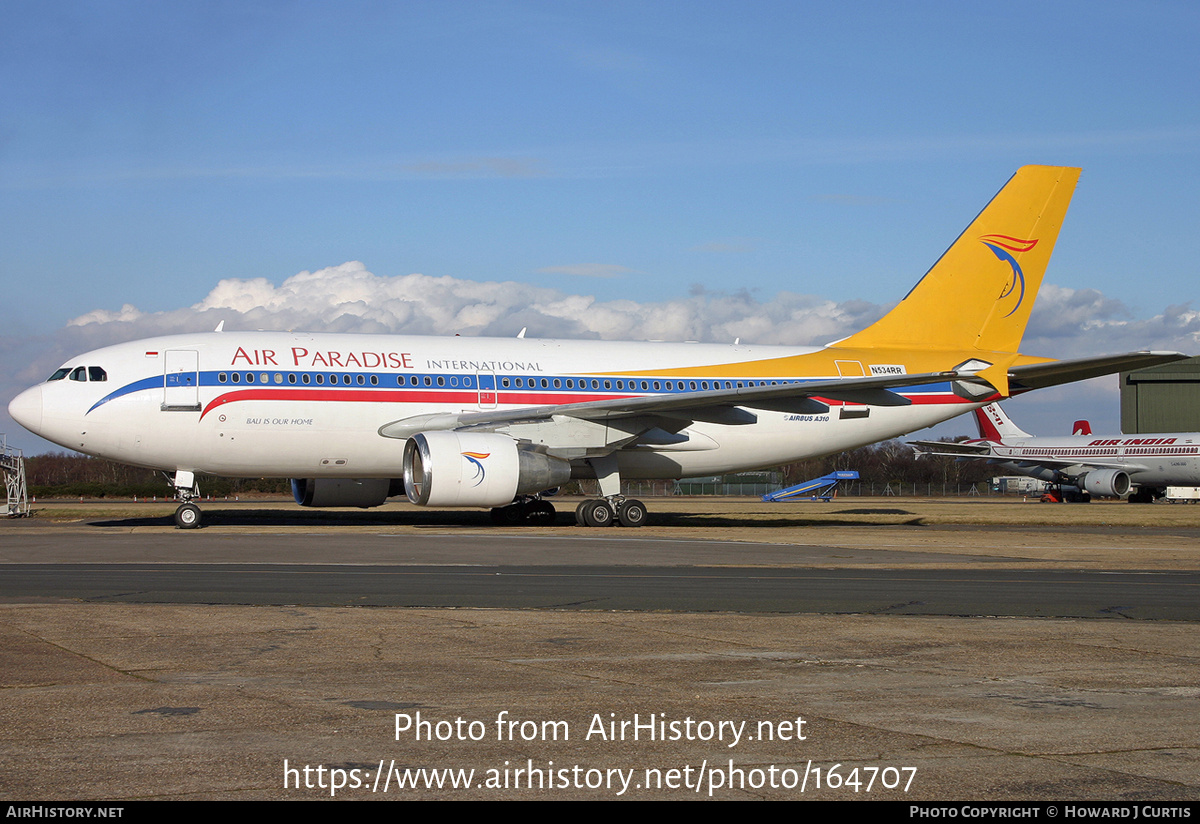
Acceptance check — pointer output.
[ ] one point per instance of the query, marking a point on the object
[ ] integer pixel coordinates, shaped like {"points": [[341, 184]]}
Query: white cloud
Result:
{"points": [[1077, 322], [1065, 322], [351, 298]]}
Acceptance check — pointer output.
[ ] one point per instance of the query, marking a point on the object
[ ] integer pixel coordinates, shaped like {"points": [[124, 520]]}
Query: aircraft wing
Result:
{"points": [[1040, 375], [951, 450], [798, 396], [727, 406], [968, 450]]}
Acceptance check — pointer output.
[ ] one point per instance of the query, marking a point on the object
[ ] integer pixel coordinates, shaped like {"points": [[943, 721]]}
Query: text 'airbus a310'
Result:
{"points": [[486, 422]]}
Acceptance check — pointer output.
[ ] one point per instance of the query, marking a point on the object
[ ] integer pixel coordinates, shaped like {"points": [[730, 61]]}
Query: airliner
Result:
{"points": [[502, 423], [1137, 467]]}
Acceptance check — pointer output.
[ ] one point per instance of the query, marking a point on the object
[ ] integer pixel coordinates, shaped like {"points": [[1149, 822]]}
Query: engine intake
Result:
{"points": [[443, 468]]}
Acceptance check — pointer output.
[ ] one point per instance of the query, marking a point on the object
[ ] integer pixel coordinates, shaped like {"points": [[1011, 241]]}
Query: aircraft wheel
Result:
{"points": [[597, 513], [579, 521], [632, 513], [187, 516], [540, 513]]}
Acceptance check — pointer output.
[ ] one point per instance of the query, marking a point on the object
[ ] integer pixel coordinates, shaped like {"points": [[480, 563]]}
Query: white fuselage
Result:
{"points": [[1159, 459], [274, 404]]}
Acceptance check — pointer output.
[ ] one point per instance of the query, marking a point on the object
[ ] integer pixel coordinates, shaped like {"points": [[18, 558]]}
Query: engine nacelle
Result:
{"points": [[444, 468], [1106, 483], [361, 492]]}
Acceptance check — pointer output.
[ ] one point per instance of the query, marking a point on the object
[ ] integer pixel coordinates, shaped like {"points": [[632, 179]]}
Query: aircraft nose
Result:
{"points": [[26, 409]]}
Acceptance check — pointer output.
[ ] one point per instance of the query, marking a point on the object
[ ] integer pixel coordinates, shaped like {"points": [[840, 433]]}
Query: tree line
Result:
{"points": [[70, 475]]}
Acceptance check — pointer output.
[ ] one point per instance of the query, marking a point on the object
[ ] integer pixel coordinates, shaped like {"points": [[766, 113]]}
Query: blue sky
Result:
{"points": [[645, 152]]}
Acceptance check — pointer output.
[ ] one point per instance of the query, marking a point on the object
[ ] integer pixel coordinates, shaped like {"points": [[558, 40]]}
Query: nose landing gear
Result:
{"points": [[187, 516]]}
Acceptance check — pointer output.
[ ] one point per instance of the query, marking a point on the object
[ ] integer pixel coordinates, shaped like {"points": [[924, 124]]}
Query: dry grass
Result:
{"points": [[989, 511], [947, 532]]}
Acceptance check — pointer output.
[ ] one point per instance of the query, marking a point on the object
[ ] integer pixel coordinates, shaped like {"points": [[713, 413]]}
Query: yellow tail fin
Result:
{"points": [[980, 292]]}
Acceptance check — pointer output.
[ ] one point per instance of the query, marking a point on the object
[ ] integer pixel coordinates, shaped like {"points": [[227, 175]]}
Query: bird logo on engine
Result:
{"points": [[476, 459]]}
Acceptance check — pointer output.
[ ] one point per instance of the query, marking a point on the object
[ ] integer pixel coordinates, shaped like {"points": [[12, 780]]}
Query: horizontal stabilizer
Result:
{"points": [[1040, 375]]}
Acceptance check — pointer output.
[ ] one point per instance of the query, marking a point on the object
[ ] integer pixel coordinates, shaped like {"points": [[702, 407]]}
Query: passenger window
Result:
{"points": [[95, 373]]}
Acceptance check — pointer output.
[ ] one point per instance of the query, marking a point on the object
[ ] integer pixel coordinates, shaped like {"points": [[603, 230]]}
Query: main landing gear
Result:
{"points": [[601, 512], [592, 512], [613, 507]]}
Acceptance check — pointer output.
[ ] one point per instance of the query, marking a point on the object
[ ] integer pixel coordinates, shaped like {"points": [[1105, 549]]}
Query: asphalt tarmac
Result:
{"points": [[316, 660]]}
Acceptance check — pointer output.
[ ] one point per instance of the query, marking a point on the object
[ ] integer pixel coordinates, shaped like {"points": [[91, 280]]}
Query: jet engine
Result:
{"points": [[443, 468], [362, 492], [1106, 483]]}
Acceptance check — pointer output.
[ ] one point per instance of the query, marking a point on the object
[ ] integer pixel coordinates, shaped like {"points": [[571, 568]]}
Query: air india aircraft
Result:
{"points": [[1137, 467], [500, 423]]}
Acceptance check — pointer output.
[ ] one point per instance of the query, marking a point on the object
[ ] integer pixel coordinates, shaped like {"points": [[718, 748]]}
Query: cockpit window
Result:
{"points": [[59, 374], [79, 374], [95, 373]]}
